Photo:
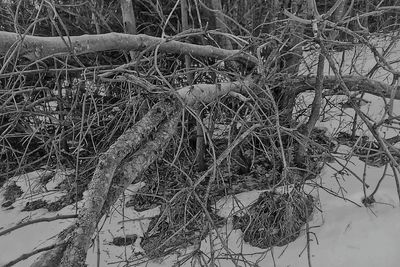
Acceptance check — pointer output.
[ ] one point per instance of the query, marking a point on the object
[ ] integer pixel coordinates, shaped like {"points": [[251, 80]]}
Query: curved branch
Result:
{"points": [[37, 47], [354, 83], [206, 93]]}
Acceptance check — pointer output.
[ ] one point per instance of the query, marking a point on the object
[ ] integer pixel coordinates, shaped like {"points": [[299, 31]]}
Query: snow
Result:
{"points": [[357, 236], [347, 235], [344, 234]]}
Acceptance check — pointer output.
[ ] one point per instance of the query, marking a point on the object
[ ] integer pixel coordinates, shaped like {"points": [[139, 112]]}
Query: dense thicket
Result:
{"points": [[208, 88]]}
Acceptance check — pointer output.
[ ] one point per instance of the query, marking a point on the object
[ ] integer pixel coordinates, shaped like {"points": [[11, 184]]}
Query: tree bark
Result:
{"points": [[209, 92], [220, 23], [354, 83], [129, 20], [101, 196], [37, 47], [101, 181]]}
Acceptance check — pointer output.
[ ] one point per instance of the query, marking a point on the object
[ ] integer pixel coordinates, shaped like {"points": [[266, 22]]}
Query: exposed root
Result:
{"points": [[181, 224], [275, 219]]}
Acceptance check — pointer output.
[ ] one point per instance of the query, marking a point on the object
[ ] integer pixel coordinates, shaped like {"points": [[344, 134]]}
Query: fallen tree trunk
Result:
{"points": [[103, 192], [75, 253], [101, 181], [37, 47]]}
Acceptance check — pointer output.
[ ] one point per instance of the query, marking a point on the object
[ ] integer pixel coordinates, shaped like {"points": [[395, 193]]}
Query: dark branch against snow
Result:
{"points": [[354, 83]]}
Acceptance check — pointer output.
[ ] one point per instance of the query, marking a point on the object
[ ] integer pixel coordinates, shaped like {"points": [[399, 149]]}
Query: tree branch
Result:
{"points": [[354, 83], [30, 254], [37, 47], [58, 217], [75, 254], [206, 93]]}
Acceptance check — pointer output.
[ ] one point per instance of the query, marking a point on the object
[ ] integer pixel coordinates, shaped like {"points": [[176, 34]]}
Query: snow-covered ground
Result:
{"points": [[343, 234]]}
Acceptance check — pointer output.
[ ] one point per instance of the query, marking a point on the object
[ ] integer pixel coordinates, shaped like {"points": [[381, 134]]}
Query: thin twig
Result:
{"points": [[379, 182], [30, 254], [396, 179], [50, 219]]}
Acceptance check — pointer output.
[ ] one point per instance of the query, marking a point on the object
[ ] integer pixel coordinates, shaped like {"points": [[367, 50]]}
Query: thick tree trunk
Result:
{"points": [[101, 195], [102, 178]]}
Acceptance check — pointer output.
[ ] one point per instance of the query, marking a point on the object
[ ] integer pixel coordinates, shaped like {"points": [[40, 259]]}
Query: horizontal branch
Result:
{"points": [[192, 94], [354, 83], [207, 93], [37, 47]]}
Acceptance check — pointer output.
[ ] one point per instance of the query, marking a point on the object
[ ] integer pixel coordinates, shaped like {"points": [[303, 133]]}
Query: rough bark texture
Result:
{"points": [[128, 171], [36, 47], [135, 165], [75, 253], [101, 194]]}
